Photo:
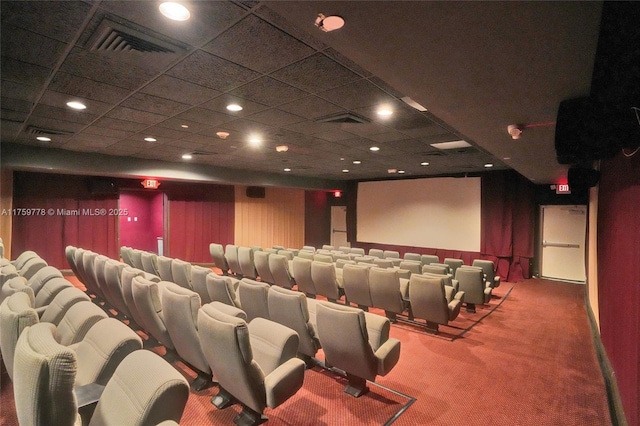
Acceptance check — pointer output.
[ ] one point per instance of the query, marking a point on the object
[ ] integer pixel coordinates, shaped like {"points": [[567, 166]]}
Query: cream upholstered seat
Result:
{"points": [[149, 262], [113, 281], [254, 298], [246, 261], [136, 258], [356, 342], [488, 268], [125, 255], [302, 272], [279, 267], [428, 259], [388, 291], [164, 268], [147, 296], [223, 289], [289, 308], [434, 301], [180, 311], [144, 389], [199, 282], [77, 322], [305, 254], [23, 257], [16, 314], [436, 268], [231, 254], [376, 253], [383, 263], [454, 264], [14, 285], [42, 277], [31, 267], [414, 266], [219, 260], [261, 262], [472, 282], [355, 280], [325, 280], [181, 272], [255, 364], [48, 292], [391, 254], [126, 278], [411, 256], [60, 304]]}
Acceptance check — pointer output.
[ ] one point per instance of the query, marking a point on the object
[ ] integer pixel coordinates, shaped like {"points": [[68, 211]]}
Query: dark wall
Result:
{"points": [[317, 226]]}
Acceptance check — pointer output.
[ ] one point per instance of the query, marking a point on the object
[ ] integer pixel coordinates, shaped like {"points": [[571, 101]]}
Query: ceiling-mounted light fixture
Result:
{"points": [[329, 23], [222, 135], [175, 11], [150, 139], [515, 131], [187, 156], [374, 149], [234, 107], [43, 139], [282, 148], [76, 105]]}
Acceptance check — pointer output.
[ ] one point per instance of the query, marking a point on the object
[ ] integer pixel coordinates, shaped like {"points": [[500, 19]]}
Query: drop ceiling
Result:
{"points": [[476, 66]]}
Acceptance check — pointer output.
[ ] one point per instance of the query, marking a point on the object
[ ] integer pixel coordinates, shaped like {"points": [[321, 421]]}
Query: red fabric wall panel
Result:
{"points": [[619, 275]]}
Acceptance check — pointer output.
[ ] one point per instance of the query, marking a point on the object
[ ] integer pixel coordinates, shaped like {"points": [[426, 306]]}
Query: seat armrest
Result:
{"points": [[272, 344], [388, 355], [88, 394], [449, 293], [378, 329], [284, 381], [459, 296], [404, 274], [41, 310], [456, 284], [404, 287]]}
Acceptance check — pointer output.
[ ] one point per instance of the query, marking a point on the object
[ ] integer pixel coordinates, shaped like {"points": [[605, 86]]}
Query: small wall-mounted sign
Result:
{"points": [[337, 194], [151, 183], [563, 188]]}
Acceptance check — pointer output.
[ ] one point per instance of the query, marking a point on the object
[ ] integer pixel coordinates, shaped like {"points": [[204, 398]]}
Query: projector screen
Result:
{"points": [[441, 213]]}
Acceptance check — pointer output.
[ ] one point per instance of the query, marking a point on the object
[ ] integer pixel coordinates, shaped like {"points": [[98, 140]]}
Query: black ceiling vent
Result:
{"points": [[434, 154], [41, 131], [112, 36], [346, 117], [201, 153]]}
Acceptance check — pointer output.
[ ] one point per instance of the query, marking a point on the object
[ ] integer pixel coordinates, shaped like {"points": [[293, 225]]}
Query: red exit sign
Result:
{"points": [[563, 188], [151, 183]]}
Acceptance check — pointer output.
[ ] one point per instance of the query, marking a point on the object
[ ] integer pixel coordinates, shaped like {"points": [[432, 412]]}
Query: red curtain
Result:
{"points": [[619, 275], [193, 225]]}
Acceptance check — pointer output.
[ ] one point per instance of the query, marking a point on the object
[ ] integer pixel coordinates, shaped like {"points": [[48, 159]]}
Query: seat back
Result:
{"points": [[437, 268], [302, 272], [355, 280], [181, 272], [412, 256], [199, 282], [279, 267], [324, 280], [345, 341], [246, 261], [488, 267], [160, 391], [113, 280], [16, 314], [384, 285], [180, 311], [328, 247], [217, 254], [164, 268], [223, 289], [383, 263], [471, 281], [149, 262], [309, 248], [391, 254], [136, 258], [254, 298], [344, 249], [23, 258], [31, 267], [454, 264], [126, 278], [261, 262], [13, 285], [376, 253], [231, 254], [106, 344], [42, 276], [428, 298], [227, 347], [288, 254], [304, 254], [77, 321], [357, 250], [427, 259], [44, 378], [50, 290], [323, 258], [125, 254], [411, 265], [60, 304], [289, 308], [147, 298]]}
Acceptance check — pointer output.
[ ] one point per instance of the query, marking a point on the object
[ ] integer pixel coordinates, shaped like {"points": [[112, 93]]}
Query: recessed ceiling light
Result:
{"points": [[150, 139], [345, 170], [187, 156], [401, 172], [222, 135], [424, 163], [184, 126], [506, 158], [175, 11], [287, 169], [234, 107], [43, 139], [392, 170], [451, 145], [488, 165], [76, 105], [374, 149], [282, 148], [255, 141], [329, 23], [357, 161], [384, 112]]}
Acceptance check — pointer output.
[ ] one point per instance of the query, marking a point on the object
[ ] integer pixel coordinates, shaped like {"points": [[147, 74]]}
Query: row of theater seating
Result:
{"points": [[425, 290], [183, 319], [71, 364]]}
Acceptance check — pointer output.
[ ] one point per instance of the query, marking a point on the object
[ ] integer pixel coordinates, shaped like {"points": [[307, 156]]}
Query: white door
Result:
{"points": [[563, 242], [339, 227]]}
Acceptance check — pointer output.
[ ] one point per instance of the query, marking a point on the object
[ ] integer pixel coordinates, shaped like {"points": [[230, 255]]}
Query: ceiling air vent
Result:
{"points": [[434, 154], [40, 131], [348, 117], [115, 37], [201, 153]]}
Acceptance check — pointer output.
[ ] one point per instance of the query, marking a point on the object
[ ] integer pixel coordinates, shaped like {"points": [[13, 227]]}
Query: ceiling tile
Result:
{"points": [[59, 100], [311, 107], [204, 116], [114, 123], [211, 71], [88, 89], [258, 45], [18, 91], [315, 74], [62, 114], [32, 48], [220, 104], [275, 117], [21, 72], [178, 90], [356, 95], [154, 104], [129, 114], [268, 91], [334, 135], [264, 12]]}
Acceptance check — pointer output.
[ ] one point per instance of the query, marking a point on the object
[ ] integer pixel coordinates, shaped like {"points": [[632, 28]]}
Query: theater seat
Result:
{"points": [[149, 262], [199, 282], [42, 277], [147, 298], [472, 282], [181, 272], [454, 264], [302, 272], [261, 262], [279, 267], [231, 254], [254, 298], [388, 292], [255, 364], [223, 289], [217, 254], [356, 342], [434, 301], [165, 271], [247, 263], [325, 280], [355, 280], [16, 314], [488, 268]]}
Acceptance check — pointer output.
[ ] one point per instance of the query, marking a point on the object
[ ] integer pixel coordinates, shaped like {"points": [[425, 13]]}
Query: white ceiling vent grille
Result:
{"points": [[348, 117], [115, 37]]}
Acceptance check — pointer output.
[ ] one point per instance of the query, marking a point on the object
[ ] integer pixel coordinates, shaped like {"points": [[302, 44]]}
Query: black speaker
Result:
{"points": [[582, 177], [255, 192]]}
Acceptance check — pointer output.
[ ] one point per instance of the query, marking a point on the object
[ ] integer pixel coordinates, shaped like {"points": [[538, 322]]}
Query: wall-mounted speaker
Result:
{"points": [[255, 192], [582, 177]]}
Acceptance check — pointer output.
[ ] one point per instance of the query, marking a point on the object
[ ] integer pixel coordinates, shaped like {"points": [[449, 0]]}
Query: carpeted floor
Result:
{"points": [[526, 359]]}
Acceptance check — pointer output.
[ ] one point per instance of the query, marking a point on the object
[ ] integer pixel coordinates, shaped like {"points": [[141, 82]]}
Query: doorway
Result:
{"points": [[563, 243], [339, 227], [142, 222]]}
